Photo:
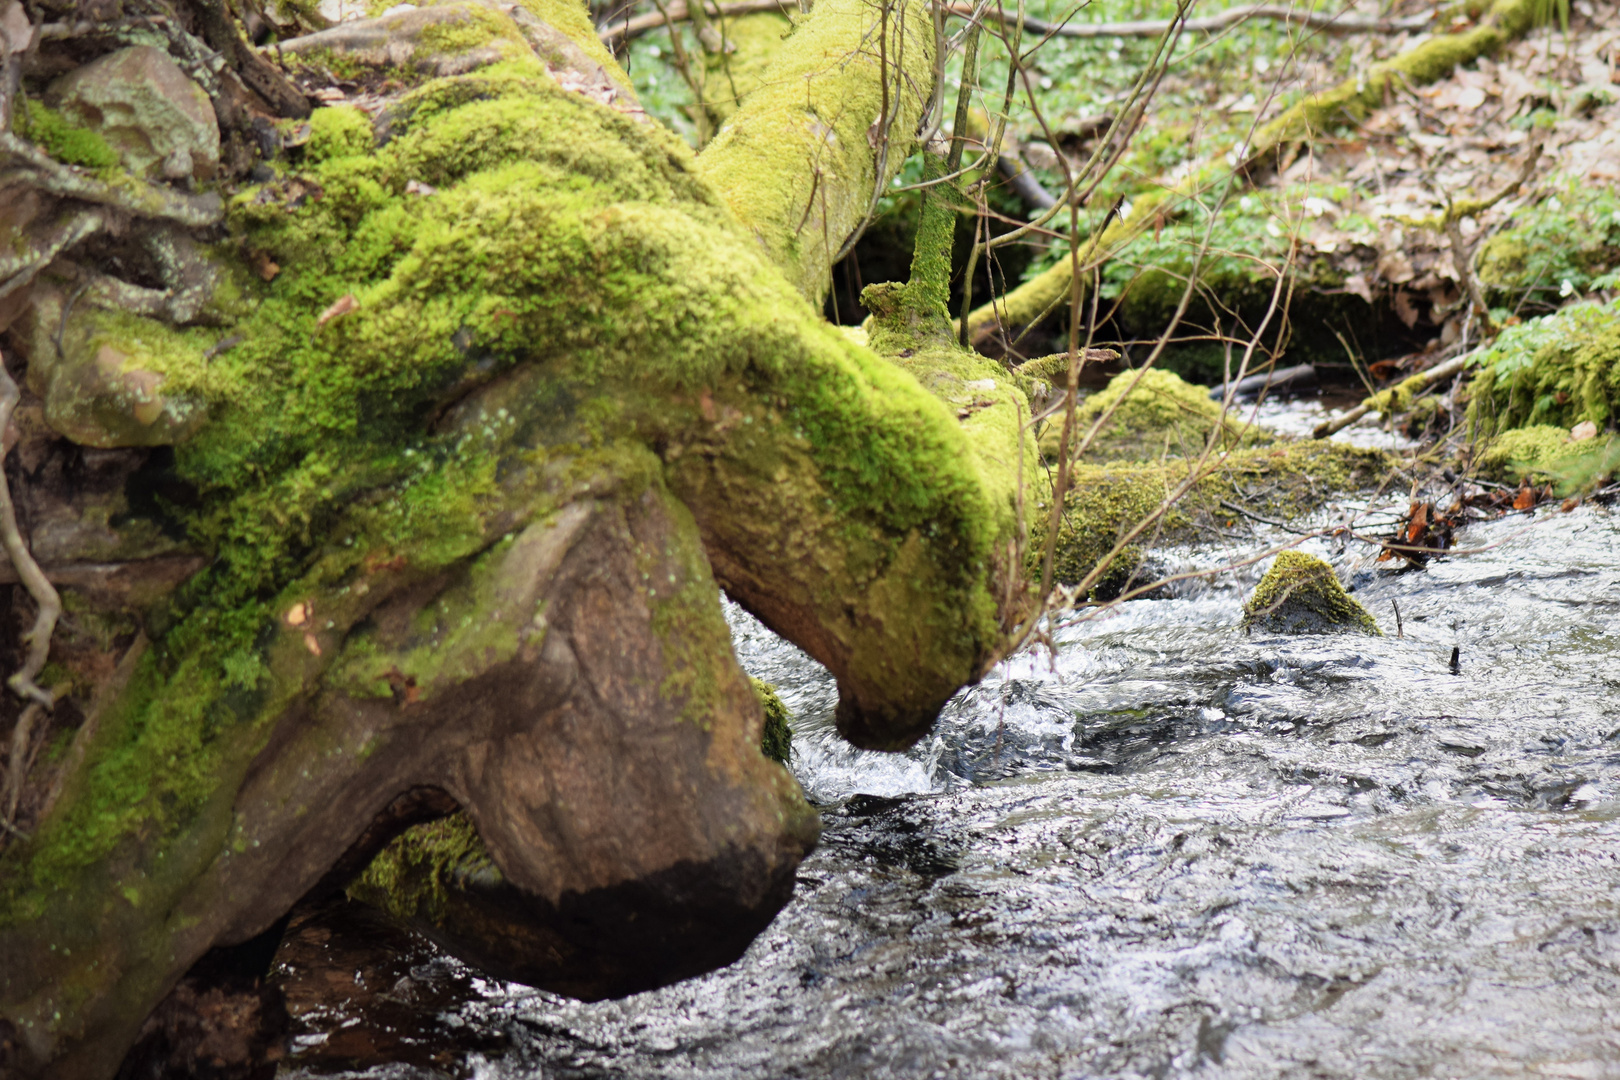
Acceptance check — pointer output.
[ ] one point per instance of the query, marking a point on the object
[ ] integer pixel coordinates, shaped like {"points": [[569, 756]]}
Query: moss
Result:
{"points": [[796, 162], [1539, 452], [575, 243], [1431, 60], [474, 28], [1300, 594], [415, 875], [62, 139], [751, 43], [1107, 502], [1558, 370], [777, 741], [1158, 415], [1050, 289], [337, 132], [1397, 398]]}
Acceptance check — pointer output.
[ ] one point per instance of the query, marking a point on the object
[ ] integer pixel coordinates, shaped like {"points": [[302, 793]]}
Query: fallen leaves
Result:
{"points": [[340, 307]]}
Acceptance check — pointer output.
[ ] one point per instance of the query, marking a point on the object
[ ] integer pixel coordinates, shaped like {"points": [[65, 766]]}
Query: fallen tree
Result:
{"points": [[391, 458], [424, 457]]}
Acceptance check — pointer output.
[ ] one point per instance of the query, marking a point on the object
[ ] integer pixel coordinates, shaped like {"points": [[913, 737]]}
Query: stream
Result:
{"points": [[1163, 849]]}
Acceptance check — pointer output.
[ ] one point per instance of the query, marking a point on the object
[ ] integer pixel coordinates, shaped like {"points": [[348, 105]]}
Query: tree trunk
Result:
{"points": [[464, 415]]}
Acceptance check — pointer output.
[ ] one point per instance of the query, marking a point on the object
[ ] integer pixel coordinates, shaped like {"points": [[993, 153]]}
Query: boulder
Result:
{"points": [[1300, 594], [146, 108]]}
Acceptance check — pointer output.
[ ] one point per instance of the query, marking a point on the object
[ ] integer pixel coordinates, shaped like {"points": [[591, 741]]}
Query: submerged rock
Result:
{"points": [[1300, 594]]}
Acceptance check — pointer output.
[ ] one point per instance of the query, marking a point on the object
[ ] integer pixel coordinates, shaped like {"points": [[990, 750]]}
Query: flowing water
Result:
{"points": [[1165, 849]]}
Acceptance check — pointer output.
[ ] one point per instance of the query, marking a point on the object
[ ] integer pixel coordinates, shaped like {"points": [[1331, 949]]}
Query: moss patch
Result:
{"points": [[1300, 594], [1106, 502], [1158, 415], [1558, 371], [414, 876], [777, 741], [62, 139]]}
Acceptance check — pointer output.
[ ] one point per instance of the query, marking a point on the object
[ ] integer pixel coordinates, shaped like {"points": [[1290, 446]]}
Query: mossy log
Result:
{"points": [[464, 475], [1432, 59]]}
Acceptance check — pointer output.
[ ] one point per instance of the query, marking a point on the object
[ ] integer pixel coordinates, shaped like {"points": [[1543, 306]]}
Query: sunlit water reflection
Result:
{"points": [[1173, 849]]}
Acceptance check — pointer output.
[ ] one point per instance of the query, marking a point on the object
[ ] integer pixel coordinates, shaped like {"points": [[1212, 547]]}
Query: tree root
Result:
{"points": [[39, 637], [30, 165]]}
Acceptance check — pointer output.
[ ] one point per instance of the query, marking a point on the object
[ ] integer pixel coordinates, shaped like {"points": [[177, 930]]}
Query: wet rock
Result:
{"points": [[1300, 594], [777, 742], [141, 103]]}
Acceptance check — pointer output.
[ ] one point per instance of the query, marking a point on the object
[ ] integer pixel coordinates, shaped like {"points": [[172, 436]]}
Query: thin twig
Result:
{"points": [[1313, 20]]}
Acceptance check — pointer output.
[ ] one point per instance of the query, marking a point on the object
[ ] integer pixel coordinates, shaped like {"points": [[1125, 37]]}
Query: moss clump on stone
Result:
{"points": [[337, 131], [777, 742], [1300, 594], [413, 877], [62, 139], [1537, 453], [1558, 370], [1105, 502], [1159, 415]]}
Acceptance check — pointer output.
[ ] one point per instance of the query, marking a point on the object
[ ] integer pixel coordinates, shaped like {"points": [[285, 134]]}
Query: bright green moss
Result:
{"points": [[337, 132], [1432, 59], [1158, 415], [777, 741], [806, 129], [415, 875], [1301, 594], [563, 237], [751, 43], [1558, 370], [62, 139], [473, 28], [1106, 502]]}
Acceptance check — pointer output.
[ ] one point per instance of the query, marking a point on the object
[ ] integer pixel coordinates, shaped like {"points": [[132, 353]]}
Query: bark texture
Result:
{"points": [[467, 413]]}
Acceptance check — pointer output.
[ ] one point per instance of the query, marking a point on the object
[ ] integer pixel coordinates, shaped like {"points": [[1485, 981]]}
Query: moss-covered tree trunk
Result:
{"points": [[476, 397]]}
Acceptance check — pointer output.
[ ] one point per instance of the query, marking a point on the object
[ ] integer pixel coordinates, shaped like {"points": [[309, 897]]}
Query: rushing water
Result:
{"points": [[1165, 849]]}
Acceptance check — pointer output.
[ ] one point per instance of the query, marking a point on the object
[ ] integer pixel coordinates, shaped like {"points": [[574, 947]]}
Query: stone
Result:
{"points": [[1300, 594], [145, 107]]}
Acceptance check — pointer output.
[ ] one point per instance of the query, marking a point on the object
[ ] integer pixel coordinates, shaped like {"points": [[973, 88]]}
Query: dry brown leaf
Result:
{"points": [[341, 307]]}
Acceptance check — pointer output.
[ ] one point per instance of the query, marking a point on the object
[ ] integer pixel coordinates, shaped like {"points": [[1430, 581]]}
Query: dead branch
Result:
{"points": [[1421, 381], [626, 29]]}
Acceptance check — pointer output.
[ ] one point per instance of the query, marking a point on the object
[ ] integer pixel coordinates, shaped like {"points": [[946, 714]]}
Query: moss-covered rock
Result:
{"points": [[1300, 594], [144, 107], [1153, 414], [777, 741], [1107, 504], [1557, 370]]}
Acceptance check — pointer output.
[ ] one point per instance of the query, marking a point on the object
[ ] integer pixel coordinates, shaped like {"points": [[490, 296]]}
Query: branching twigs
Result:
{"points": [[1419, 382], [39, 637], [1312, 20]]}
